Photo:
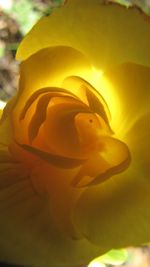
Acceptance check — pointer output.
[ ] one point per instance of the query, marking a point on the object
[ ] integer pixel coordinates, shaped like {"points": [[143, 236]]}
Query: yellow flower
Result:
{"points": [[74, 173]]}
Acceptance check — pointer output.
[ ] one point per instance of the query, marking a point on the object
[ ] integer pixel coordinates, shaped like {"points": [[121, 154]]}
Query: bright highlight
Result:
{"points": [[2, 104], [96, 264]]}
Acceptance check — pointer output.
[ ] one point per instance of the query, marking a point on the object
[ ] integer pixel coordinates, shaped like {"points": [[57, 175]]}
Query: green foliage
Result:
{"points": [[25, 14], [2, 51], [115, 257]]}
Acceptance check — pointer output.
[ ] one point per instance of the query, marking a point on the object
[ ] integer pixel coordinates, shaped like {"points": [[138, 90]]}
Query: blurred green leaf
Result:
{"points": [[115, 257], [2, 51], [25, 14]]}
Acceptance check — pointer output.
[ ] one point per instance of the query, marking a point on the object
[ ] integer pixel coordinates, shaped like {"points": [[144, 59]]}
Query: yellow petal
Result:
{"points": [[48, 68], [26, 219], [88, 94], [10, 172], [128, 84], [117, 213], [60, 119], [34, 111], [5, 134], [56, 160], [111, 160], [28, 233], [107, 34]]}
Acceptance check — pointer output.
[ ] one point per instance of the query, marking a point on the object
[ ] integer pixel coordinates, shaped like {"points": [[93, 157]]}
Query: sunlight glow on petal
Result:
{"points": [[105, 88]]}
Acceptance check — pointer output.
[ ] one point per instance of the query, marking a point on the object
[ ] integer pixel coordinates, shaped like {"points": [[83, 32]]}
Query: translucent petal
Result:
{"points": [[114, 158], [5, 134], [88, 94], [58, 132], [48, 68], [57, 160], [28, 233], [116, 213], [107, 34], [34, 111], [128, 86]]}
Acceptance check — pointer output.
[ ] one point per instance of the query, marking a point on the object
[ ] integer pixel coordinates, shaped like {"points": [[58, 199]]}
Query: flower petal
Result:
{"points": [[48, 68], [89, 95], [28, 233], [55, 160], [60, 119], [114, 158], [5, 134], [116, 213], [107, 34], [129, 85]]}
